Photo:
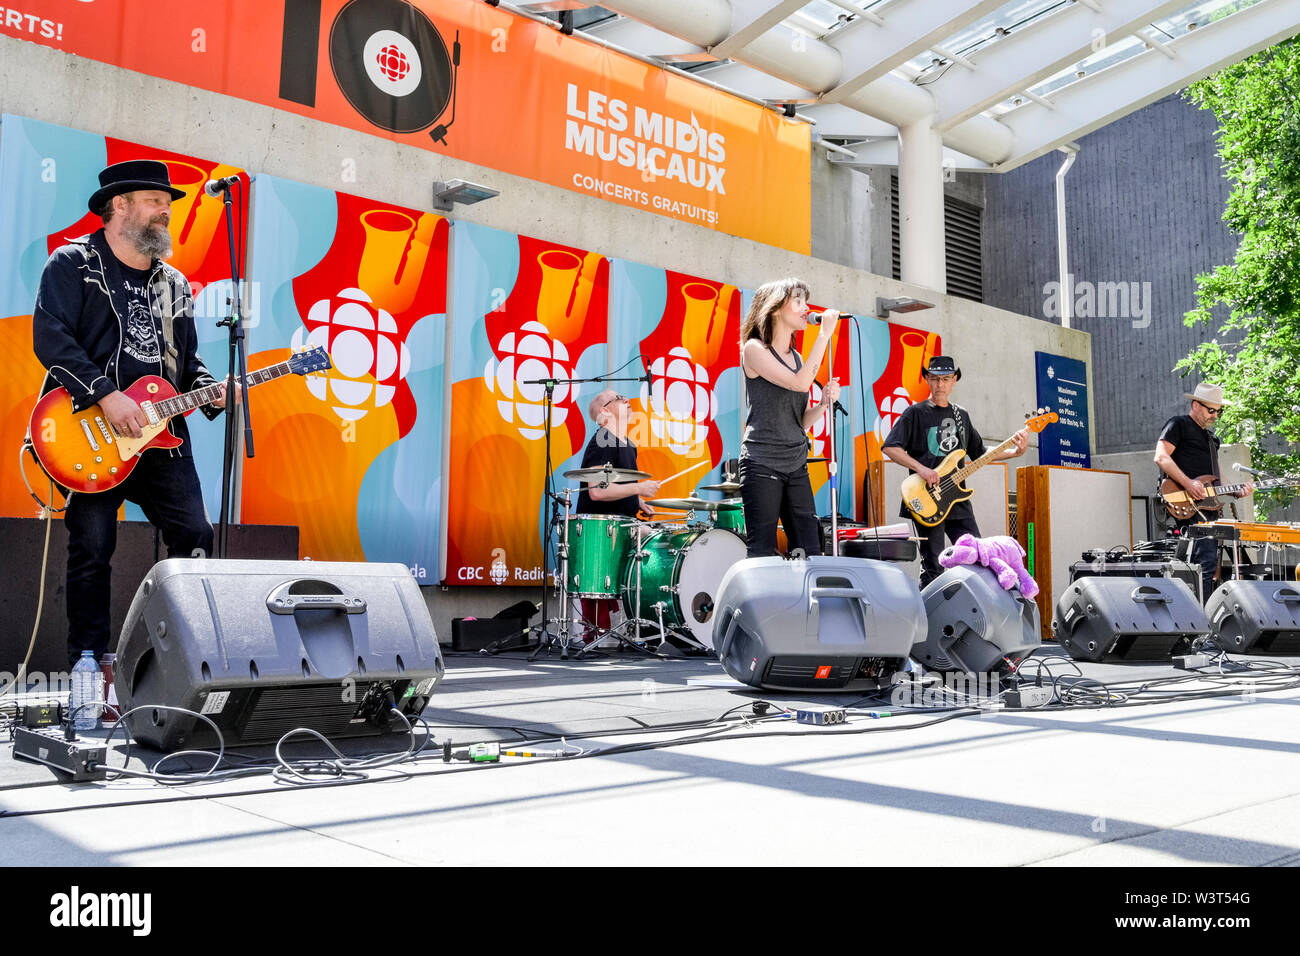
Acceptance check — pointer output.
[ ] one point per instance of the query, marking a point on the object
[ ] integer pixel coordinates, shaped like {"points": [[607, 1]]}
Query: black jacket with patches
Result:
{"points": [[78, 327]]}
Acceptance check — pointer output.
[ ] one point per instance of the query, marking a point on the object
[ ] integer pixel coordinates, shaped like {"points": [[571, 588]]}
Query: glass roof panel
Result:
{"points": [[990, 28], [1165, 30]]}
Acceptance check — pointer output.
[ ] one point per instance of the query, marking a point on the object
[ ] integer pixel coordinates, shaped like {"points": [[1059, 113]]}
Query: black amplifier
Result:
{"points": [[1130, 566]]}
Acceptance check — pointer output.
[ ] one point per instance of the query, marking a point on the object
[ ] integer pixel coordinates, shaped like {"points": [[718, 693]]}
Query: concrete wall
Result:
{"points": [[1144, 205], [994, 347]]}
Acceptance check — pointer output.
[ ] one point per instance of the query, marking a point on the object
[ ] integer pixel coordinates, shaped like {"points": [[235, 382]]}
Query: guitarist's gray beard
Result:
{"points": [[150, 239]]}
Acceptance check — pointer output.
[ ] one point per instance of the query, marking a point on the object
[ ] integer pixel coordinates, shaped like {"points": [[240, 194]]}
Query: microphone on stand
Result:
{"points": [[1238, 466], [215, 187], [815, 318]]}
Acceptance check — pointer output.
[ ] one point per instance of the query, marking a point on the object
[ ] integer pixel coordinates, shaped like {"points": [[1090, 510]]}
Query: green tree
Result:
{"points": [[1255, 354]]}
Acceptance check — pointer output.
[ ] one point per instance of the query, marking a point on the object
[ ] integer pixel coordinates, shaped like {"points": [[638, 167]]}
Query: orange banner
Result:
{"points": [[464, 79]]}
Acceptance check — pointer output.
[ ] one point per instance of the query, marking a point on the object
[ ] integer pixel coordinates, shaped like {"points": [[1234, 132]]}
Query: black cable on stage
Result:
{"points": [[1072, 691], [713, 735]]}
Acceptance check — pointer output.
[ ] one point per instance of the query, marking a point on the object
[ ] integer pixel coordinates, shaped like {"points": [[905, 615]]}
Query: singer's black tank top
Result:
{"points": [[774, 433]]}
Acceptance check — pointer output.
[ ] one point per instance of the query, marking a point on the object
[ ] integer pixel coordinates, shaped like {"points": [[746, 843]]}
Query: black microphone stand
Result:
{"points": [[237, 358]]}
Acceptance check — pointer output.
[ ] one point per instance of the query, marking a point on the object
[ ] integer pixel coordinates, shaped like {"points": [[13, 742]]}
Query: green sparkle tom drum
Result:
{"points": [[731, 520], [681, 571], [599, 546]]}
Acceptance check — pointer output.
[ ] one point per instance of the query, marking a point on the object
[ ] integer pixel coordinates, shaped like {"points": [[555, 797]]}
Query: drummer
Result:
{"points": [[611, 446]]}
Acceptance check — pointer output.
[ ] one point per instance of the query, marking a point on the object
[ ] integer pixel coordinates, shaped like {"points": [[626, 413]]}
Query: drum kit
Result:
{"points": [[664, 572]]}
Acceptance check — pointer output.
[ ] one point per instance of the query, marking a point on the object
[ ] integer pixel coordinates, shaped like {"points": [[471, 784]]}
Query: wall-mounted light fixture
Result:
{"points": [[459, 191], [903, 303]]}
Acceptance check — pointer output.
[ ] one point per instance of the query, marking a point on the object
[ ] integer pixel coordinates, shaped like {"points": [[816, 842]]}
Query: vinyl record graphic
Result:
{"points": [[392, 64]]}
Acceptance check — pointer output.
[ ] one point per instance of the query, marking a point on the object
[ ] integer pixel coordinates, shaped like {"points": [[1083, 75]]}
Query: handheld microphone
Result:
{"points": [[815, 318], [215, 187]]}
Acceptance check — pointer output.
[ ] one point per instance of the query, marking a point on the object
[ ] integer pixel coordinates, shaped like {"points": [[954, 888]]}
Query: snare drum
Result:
{"points": [[682, 570], [599, 546]]}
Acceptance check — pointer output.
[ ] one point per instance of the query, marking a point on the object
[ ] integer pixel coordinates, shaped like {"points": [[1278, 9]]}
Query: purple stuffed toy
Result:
{"points": [[1000, 554]]}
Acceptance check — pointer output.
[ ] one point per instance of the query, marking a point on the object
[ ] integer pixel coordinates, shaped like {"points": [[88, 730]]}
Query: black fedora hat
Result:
{"points": [[129, 176], [943, 365]]}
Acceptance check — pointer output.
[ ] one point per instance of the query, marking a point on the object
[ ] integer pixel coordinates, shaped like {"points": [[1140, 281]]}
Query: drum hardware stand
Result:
{"points": [[546, 638]]}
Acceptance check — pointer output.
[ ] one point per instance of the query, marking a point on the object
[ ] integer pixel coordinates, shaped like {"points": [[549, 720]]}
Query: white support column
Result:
{"points": [[920, 205]]}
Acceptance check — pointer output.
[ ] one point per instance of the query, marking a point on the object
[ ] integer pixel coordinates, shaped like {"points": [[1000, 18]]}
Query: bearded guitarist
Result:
{"points": [[1188, 453], [924, 435], [110, 310]]}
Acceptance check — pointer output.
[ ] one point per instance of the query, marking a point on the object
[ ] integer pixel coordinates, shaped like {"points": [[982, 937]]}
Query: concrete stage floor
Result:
{"points": [[1183, 783]]}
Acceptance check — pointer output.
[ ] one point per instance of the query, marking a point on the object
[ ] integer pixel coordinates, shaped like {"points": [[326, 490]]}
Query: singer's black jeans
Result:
{"points": [[769, 495]]}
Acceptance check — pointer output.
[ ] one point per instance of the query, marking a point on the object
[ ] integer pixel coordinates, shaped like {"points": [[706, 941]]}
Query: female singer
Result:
{"points": [[774, 454]]}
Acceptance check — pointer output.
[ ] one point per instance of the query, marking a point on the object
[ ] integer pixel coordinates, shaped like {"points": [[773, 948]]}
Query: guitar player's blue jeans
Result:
{"points": [[167, 491]]}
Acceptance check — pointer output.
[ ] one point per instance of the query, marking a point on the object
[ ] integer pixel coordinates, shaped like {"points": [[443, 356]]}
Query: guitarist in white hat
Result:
{"points": [[1188, 452]]}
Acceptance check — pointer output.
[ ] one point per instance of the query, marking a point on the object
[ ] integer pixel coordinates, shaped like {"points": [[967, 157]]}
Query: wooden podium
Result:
{"points": [[1063, 512]]}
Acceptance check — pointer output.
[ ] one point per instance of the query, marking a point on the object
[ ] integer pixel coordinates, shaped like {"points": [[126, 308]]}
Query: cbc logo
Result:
{"points": [[498, 573]]}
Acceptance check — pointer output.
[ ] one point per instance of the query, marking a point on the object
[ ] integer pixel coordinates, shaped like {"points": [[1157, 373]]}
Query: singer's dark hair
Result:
{"points": [[769, 297]]}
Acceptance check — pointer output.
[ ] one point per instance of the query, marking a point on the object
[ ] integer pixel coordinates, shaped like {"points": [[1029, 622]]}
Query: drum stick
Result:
{"points": [[685, 471]]}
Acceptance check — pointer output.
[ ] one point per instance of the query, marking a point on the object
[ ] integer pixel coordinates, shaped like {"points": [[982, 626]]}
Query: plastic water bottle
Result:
{"points": [[87, 695]]}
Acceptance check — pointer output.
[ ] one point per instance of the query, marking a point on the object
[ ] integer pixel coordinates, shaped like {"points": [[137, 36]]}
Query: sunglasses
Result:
{"points": [[1210, 409], [616, 399]]}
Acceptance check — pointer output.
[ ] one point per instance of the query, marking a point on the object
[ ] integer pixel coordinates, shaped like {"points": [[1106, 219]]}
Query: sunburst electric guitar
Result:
{"points": [[82, 452], [931, 505], [1183, 506]]}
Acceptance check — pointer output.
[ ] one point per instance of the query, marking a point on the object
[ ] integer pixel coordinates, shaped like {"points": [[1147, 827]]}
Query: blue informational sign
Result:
{"points": [[1063, 388]]}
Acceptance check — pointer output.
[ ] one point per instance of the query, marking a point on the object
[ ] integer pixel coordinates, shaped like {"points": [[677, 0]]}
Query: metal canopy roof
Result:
{"points": [[1002, 82]]}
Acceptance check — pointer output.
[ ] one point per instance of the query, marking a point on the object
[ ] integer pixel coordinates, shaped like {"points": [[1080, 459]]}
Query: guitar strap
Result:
{"points": [[963, 433], [165, 295]]}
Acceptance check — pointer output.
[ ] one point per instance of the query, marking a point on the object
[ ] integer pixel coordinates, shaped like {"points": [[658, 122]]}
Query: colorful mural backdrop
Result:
{"points": [[47, 173], [525, 309], [893, 360], [685, 331], [353, 457], [465, 79]]}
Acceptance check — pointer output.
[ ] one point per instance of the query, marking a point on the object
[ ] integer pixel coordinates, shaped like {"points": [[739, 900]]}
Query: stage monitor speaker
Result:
{"points": [[973, 624], [1128, 619], [1256, 617], [819, 624], [265, 647]]}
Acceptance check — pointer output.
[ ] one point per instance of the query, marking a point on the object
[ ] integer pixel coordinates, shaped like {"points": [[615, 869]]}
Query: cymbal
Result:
{"points": [[616, 476], [693, 504], [727, 487]]}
